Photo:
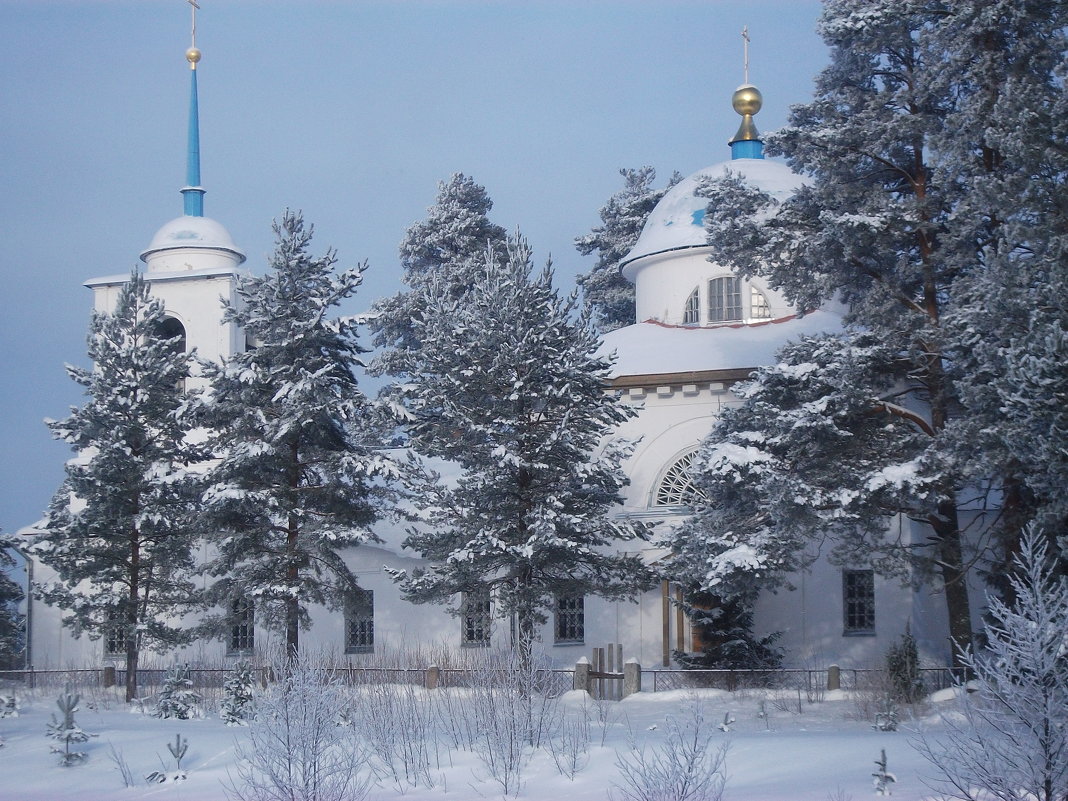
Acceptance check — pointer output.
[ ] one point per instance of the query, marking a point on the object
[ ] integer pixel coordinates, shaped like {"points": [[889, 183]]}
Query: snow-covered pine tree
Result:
{"points": [[12, 631], [604, 289], [298, 477], [65, 729], [1011, 741], [446, 246], [1001, 151], [809, 462], [177, 698], [118, 532], [509, 389], [869, 228], [236, 708]]}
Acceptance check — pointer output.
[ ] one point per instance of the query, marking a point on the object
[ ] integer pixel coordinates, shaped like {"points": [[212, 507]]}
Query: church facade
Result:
{"points": [[699, 331]]}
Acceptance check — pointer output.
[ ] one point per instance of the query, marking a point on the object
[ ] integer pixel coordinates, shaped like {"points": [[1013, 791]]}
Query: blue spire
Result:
{"points": [[193, 192]]}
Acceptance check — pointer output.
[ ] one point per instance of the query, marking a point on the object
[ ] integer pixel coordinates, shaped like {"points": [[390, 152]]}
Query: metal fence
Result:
{"points": [[554, 681]]}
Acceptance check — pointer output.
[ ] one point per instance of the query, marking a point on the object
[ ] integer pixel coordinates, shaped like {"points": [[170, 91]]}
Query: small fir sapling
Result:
{"points": [[177, 699], [903, 669], [237, 703], [65, 730], [882, 778], [177, 749]]}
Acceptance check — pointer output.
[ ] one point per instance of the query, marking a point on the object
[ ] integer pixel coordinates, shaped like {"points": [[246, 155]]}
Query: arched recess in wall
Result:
{"points": [[172, 328], [675, 486]]}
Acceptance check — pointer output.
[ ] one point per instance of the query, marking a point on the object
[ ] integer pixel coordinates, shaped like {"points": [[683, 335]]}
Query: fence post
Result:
{"points": [[632, 677], [834, 678], [433, 676], [582, 675], [109, 676]]}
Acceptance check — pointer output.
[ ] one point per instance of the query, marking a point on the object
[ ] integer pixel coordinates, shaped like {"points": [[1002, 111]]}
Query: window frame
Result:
{"points": [[360, 624], [569, 619], [476, 624], [115, 635], [691, 313], [858, 602], [241, 638], [725, 299], [682, 492]]}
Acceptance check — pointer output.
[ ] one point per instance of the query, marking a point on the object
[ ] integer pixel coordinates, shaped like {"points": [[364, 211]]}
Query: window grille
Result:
{"points": [[858, 601], [475, 620], [676, 488], [115, 635], [242, 626], [759, 308], [692, 315], [724, 300], [360, 624], [570, 619]]}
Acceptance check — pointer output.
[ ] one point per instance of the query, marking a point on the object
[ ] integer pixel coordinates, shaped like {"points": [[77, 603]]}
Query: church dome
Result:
{"points": [[677, 222], [195, 241]]}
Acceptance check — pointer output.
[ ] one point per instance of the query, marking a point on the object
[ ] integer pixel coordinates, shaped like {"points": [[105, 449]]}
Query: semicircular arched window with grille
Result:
{"points": [[676, 487]]}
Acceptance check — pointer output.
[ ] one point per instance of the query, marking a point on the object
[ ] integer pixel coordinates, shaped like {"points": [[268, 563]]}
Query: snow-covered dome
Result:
{"points": [[188, 243], [677, 222]]}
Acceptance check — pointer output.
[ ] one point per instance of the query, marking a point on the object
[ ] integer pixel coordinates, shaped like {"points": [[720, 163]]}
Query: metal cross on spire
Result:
{"points": [[193, 34], [745, 49]]}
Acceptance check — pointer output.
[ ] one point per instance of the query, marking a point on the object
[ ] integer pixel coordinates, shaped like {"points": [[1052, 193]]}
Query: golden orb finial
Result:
{"points": [[192, 55], [747, 99]]}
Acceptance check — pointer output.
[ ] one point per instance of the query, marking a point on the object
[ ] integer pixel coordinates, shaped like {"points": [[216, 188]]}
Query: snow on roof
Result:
{"points": [[678, 219], [192, 232], [653, 348]]}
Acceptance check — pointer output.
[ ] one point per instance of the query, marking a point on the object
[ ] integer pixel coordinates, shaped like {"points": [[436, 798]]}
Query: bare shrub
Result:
{"points": [[685, 767], [296, 751], [397, 723]]}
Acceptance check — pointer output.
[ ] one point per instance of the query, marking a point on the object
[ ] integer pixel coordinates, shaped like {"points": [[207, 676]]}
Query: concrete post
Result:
{"points": [[109, 675], [583, 669], [433, 677], [632, 677], [834, 678]]}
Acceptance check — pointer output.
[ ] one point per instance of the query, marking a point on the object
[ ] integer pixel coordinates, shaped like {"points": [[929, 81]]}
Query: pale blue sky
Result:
{"points": [[351, 110]]}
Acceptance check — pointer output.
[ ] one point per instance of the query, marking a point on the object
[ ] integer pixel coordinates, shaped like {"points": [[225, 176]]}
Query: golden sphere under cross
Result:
{"points": [[192, 55], [747, 99]]}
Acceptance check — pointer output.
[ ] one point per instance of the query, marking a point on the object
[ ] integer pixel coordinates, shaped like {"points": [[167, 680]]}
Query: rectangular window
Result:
{"points": [[242, 626], [115, 635], [475, 620], [360, 623], [570, 619], [858, 601], [724, 299]]}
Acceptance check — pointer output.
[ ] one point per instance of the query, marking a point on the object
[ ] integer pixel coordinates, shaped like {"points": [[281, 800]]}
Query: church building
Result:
{"points": [[699, 330]]}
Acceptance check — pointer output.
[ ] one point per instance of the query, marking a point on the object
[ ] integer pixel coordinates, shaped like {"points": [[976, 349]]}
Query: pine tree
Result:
{"points": [[1002, 153], [604, 289], [870, 229], [447, 246], [237, 708], [509, 390], [66, 730], [297, 478], [177, 698], [12, 622], [118, 532]]}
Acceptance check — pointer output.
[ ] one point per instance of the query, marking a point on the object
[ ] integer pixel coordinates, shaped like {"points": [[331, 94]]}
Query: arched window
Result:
{"points": [[692, 314], [724, 300], [676, 486], [171, 328], [759, 308]]}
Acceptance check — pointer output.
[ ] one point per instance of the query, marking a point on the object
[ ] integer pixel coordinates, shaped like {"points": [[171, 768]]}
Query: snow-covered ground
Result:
{"points": [[825, 752]]}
